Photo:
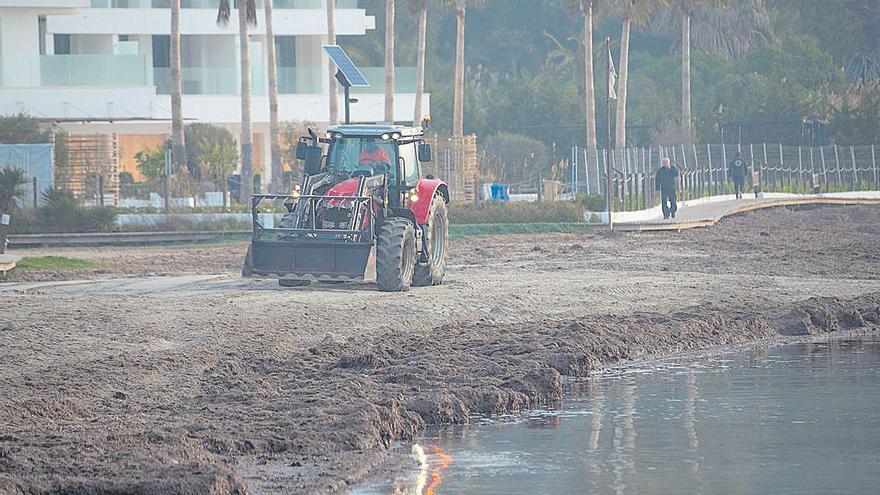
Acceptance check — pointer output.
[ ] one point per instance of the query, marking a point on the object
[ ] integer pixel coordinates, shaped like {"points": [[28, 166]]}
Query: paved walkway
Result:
{"points": [[709, 211]]}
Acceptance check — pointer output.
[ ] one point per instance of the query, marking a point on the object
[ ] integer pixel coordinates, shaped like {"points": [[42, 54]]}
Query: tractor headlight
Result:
{"points": [[385, 137], [414, 196], [396, 135], [328, 134]]}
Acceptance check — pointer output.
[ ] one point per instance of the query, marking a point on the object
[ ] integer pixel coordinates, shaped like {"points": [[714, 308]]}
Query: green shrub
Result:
{"points": [[505, 213], [62, 213]]}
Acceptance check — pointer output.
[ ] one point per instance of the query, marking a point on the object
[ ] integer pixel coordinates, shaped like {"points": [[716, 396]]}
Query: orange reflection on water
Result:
{"points": [[443, 461]]}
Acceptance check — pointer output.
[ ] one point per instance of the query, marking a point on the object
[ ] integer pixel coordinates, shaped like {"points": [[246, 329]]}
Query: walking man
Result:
{"points": [[667, 182], [737, 170]]}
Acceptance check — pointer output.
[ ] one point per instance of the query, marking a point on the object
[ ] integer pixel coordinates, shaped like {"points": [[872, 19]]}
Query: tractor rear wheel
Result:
{"points": [[437, 237], [395, 255]]}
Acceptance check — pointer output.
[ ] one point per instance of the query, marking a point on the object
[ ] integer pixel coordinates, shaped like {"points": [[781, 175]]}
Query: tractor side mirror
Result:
{"points": [[301, 148], [424, 153], [312, 164]]}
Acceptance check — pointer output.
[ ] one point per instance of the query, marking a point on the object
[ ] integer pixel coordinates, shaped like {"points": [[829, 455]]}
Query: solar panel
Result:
{"points": [[349, 71]]}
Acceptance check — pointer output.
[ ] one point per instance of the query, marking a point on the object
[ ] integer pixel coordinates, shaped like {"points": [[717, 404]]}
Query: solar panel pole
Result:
{"points": [[348, 104]]}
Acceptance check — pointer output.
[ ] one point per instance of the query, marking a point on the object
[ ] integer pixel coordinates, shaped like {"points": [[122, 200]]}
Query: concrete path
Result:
{"points": [[705, 212]]}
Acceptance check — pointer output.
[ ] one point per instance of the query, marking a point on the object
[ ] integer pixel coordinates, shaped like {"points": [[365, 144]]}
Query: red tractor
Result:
{"points": [[363, 212]]}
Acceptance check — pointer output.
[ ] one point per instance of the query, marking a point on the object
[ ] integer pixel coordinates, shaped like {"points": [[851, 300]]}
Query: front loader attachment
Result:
{"points": [[321, 238]]}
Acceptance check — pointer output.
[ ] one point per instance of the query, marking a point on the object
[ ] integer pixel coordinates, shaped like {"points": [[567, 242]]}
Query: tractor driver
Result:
{"points": [[372, 155]]}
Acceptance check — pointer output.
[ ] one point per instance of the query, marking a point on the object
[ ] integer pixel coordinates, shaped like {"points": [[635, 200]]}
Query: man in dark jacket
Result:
{"points": [[667, 183], [737, 170]]}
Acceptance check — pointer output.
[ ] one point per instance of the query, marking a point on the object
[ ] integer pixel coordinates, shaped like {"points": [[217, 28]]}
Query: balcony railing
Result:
{"points": [[291, 80], [212, 4], [95, 70]]}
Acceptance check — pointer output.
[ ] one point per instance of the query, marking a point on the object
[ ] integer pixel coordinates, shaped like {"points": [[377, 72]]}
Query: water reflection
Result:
{"points": [[795, 419]]}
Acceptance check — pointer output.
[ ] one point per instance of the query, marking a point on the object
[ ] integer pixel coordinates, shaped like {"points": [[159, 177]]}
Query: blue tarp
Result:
{"points": [[35, 160], [500, 192]]}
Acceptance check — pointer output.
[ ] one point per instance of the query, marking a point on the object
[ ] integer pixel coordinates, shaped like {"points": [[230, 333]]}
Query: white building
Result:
{"points": [[102, 66]]}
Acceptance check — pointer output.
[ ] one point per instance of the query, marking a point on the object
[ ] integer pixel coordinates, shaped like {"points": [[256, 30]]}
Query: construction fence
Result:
{"points": [[703, 170]]}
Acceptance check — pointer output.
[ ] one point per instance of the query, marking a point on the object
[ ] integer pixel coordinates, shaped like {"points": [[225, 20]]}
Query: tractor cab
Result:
{"points": [[363, 211], [370, 151]]}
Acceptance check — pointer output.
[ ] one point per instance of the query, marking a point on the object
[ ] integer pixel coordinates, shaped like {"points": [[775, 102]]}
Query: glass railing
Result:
{"points": [[95, 70], [199, 80], [404, 80], [212, 4], [291, 80], [209, 80], [300, 80]]}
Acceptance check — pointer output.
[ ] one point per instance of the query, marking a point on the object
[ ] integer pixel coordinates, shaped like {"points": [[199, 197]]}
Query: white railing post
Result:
{"points": [[800, 167], [874, 166], [855, 176], [837, 161]]}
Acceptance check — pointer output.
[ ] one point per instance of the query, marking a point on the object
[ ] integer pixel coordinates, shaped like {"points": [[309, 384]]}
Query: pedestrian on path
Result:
{"points": [[737, 171], [667, 182]]}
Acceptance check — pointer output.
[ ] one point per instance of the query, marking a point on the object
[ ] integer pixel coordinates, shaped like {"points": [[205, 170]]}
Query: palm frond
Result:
{"points": [[223, 13]]}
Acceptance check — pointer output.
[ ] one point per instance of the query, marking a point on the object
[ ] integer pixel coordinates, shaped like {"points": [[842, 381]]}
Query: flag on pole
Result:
{"points": [[612, 77]]}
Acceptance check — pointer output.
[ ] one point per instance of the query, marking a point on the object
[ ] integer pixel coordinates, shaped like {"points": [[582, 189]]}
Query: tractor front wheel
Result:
{"points": [[437, 237], [395, 255]]}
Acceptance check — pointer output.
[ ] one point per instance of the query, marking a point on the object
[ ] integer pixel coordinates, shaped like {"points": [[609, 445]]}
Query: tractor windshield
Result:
{"points": [[373, 155]]}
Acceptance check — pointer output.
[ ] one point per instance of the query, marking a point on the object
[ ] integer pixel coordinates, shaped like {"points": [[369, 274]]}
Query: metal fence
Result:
{"points": [[703, 170]]}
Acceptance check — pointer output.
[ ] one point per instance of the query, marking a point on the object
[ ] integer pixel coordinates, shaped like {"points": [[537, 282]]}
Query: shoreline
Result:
{"points": [[399, 464], [542, 383]]}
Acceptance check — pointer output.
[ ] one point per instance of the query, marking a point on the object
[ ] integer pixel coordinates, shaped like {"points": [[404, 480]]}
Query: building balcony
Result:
{"points": [[95, 70], [212, 4], [291, 80]]}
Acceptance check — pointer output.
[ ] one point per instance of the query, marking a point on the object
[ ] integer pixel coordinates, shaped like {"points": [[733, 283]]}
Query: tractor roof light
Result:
{"points": [[328, 134], [385, 137], [396, 135]]}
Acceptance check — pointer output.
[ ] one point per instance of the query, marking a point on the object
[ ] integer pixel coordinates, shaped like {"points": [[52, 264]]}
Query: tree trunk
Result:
{"points": [[589, 82], [686, 74], [331, 40], [178, 146], [458, 99], [420, 64], [274, 145], [620, 132], [389, 60], [247, 181]]}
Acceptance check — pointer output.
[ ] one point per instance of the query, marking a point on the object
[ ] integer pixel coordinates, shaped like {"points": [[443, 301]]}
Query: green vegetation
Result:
{"points": [[60, 212], [11, 180], [54, 263], [21, 129], [757, 68], [482, 230]]}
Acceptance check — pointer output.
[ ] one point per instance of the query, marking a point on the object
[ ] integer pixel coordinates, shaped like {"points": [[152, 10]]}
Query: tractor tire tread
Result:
{"points": [[393, 237]]}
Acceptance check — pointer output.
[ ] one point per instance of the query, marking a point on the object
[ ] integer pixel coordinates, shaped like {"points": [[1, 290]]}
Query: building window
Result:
{"points": [[161, 50], [62, 44], [286, 48]]}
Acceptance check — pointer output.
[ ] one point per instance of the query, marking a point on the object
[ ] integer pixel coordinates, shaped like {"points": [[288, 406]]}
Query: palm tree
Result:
{"points": [[274, 145], [422, 7], [11, 192], [389, 60], [633, 12], [723, 27], [460, 7], [178, 142], [331, 40], [247, 16], [585, 7]]}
